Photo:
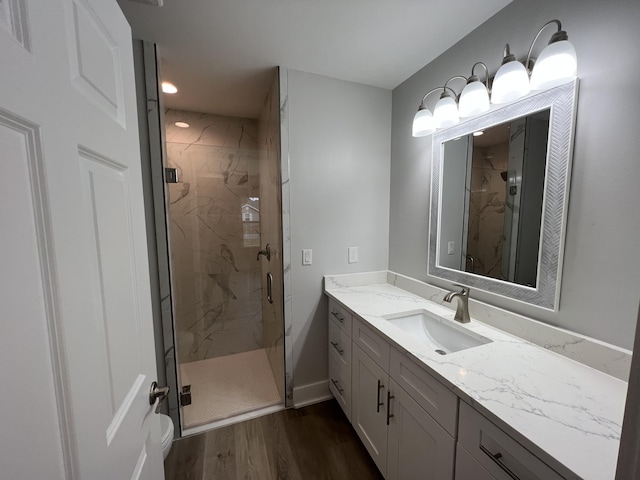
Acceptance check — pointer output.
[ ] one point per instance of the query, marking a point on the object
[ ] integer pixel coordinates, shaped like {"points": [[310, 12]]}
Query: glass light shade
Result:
{"points": [[423, 123], [511, 83], [474, 99], [556, 64], [446, 112]]}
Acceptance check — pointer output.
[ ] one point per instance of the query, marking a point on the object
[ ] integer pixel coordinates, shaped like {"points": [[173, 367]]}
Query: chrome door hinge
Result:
{"points": [[171, 175], [185, 395]]}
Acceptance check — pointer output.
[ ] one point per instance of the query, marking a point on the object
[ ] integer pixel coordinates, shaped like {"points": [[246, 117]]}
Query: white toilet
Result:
{"points": [[166, 427]]}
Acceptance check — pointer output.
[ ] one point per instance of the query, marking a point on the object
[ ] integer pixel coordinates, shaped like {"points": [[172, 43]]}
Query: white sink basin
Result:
{"points": [[442, 335]]}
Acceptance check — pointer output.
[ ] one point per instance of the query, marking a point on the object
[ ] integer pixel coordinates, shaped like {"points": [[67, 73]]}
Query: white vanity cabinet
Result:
{"points": [[499, 455], [403, 439], [500, 410]]}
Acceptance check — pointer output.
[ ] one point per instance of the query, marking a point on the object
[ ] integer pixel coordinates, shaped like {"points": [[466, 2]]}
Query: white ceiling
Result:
{"points": [[221, 54]]}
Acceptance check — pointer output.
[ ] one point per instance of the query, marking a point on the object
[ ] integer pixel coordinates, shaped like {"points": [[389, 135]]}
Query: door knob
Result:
{"points": [[266, 252], [157, 393]]}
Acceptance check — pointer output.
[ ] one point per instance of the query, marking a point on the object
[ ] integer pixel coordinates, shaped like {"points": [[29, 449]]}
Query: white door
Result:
{"points": [[78, 340]]}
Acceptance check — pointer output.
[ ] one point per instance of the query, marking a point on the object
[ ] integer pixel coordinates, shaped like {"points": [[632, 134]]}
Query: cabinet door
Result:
{"points": [[369, 406], [419, 448]]}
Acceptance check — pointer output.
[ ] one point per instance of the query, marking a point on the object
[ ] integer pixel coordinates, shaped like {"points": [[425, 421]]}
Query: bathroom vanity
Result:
{"points": [[433, 398]]}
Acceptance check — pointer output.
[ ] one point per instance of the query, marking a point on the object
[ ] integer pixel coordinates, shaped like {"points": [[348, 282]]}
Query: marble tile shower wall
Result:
{"points": [[487, 208], [215, 234]]}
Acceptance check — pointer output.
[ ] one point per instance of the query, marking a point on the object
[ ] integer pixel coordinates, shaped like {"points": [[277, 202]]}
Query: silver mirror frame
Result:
{"points": [[562, 101]]}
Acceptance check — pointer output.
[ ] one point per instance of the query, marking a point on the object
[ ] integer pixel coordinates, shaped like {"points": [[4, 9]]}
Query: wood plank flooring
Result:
{"points": [[315, 442]]}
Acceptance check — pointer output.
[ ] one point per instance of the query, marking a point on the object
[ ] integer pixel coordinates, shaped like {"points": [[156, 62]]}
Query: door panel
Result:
{"points": [[105, 191], [28, 415], [71, 90]]}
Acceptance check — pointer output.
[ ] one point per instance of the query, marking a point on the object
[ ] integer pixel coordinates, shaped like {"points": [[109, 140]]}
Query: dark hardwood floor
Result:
{"points": [[314, 442]]}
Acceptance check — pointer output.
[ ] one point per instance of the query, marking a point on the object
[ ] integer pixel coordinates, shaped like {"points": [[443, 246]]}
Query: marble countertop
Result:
{"points": [[568, 414]]}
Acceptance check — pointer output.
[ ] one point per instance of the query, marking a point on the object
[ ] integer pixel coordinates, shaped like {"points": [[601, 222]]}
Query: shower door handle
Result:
{"points": [[270, 287], [266, 252]]}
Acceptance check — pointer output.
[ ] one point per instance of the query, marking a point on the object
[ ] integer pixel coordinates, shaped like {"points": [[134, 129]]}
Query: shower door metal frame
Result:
{"points": [[156, 145]]}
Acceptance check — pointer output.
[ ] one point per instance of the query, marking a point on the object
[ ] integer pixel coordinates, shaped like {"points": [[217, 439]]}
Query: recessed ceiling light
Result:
{"points": [[182, 124], [169, 87], [478, 133]]}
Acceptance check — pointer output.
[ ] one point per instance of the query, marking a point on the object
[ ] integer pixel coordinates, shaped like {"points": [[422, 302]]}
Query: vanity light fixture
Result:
{"points": [[474, 98], [556, 64], [168, 87], [445, 113]]}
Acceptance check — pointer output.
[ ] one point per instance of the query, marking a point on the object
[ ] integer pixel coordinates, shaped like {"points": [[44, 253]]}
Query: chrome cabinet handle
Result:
{"points": [[495, 457], [340, 319], [339, 350], [379, 403], [335, 384], [157, 393], [389, 397], [270, 287]]}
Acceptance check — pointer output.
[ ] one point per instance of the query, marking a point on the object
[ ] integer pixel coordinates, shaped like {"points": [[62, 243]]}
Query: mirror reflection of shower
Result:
{"points": [[502, 175]]}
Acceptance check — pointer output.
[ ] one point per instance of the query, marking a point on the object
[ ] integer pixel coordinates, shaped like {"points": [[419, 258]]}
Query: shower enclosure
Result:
{"points": [[217, 204]]}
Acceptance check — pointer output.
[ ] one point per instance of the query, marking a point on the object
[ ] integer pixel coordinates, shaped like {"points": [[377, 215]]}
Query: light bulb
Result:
{"points": [[510, 83], [474, 99], [446, 112], [423, 123], [556, 64]]}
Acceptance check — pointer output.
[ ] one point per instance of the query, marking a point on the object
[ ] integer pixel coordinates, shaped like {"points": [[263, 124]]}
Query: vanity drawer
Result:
{"points": [[372, 343], [439, 402], [339, 345], [341, 315], [468, 468], [340, 385], [498, 453]]}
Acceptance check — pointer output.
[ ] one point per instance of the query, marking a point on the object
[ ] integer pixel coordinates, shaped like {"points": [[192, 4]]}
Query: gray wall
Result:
{"points": [[601, 275], [454, 199], [339, 151]]}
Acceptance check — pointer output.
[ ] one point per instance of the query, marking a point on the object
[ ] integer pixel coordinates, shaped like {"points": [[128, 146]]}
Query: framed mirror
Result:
{"points": [[499, 195]]}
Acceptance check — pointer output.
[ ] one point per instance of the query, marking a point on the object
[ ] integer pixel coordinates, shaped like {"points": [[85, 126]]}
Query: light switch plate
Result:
{"points": [[353, 254], [307, 256], [451, 247]]}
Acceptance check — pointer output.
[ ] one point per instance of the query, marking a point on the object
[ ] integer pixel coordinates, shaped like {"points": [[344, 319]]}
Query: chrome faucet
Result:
{"points": [[462, 309]]}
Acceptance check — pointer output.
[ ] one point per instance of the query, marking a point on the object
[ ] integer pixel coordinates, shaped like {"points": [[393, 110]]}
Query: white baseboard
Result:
{"points": [[311, 393]]}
